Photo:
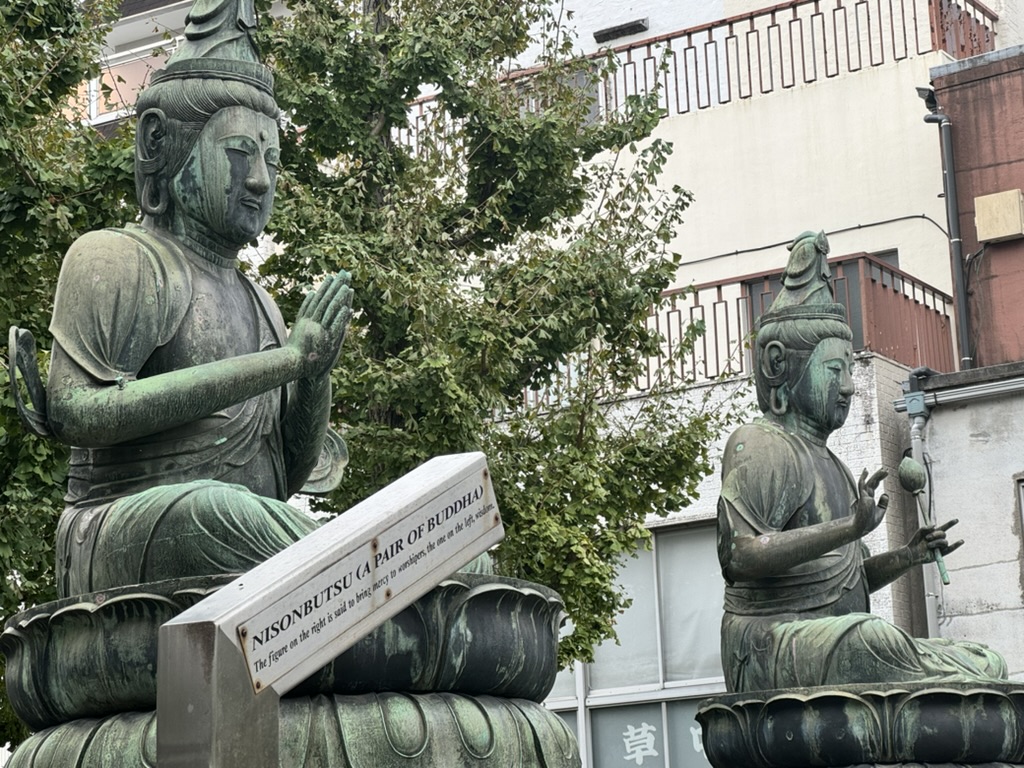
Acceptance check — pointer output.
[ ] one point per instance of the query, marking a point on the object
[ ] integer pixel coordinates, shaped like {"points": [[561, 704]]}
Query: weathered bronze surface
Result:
{"points": [[473, 634], [383, 730], [791, 517], [815, 678], [193, 415], [859, 725]]}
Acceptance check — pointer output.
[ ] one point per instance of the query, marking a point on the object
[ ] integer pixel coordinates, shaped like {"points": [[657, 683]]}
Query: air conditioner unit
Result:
{"points": [[999, 216]]}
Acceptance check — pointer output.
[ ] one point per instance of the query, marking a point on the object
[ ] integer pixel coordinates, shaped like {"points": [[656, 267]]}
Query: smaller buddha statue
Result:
{"points": [[792, 517]]}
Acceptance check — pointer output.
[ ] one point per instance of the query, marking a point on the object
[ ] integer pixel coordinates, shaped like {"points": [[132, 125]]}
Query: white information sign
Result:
{"points": [[383, 555]]}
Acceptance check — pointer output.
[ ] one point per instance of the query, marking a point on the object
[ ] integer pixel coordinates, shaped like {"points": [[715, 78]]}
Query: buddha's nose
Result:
{"points": [[258, 181]]}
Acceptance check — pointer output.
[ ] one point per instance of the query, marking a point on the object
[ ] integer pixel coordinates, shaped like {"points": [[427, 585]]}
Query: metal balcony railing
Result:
{"points": [[962, 29], [791, 44], [776, 48], [890, 313]]}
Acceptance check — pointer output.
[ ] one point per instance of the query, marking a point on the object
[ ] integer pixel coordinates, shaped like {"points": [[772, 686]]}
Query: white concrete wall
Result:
{"points": [[1010, 27], [977, 465], [663, 16], [842, 154]]}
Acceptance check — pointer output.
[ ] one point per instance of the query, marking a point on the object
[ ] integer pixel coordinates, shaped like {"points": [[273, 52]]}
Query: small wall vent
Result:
{"points": [[622, 30]]}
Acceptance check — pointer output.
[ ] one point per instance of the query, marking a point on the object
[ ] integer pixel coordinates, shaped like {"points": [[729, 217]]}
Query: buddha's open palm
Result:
{"points": [[320, 328], [867, 514]]}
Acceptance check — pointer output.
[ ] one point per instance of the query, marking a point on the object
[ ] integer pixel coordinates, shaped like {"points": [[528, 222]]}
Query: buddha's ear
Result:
{"points": [[152, 130], [773, 363], [150, 162]]}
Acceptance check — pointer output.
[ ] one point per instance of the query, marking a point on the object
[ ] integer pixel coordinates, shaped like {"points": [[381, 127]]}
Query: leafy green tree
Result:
{"points": [[57, 180], [505, 242]]}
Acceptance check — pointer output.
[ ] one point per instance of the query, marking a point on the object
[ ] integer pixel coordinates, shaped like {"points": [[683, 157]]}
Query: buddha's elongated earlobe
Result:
{"points": [[154, 196], [778, 402]]}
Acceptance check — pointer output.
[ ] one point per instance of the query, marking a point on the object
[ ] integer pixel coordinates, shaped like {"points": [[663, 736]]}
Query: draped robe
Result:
{"points": [[811, 625], [201, 499]]}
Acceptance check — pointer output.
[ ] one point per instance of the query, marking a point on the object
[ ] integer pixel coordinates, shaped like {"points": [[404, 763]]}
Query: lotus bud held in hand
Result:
{"points": [[912, 475]]}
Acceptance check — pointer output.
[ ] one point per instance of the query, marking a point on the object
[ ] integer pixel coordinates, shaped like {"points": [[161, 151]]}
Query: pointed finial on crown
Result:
{"points": [[806, 284], [807, 277], [218, 44]]}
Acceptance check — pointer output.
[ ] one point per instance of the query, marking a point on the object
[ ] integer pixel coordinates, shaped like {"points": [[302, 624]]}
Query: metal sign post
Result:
{"points": [[224, 663]]}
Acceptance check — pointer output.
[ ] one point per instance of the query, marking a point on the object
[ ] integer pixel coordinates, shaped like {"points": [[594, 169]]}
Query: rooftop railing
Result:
{"points": [[791, 44], [776, 48], [962, 29]]}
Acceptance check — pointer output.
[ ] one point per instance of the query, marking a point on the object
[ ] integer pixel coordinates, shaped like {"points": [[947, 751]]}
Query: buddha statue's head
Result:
{"points": [[804, 360], [206, 149]]}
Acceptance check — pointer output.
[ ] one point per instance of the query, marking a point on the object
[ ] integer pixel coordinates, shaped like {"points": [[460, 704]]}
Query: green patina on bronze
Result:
{"points": [[193, 415], [914, 725], [791, 518], [472, 635], [379, 730]]}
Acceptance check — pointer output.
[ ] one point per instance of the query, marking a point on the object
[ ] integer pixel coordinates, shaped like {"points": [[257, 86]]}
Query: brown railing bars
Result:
{"points": [[891, 313]]}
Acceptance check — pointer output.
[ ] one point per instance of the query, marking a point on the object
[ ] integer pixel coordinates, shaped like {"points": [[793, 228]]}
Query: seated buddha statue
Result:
{"points": [[792, 518], [191, 412]]}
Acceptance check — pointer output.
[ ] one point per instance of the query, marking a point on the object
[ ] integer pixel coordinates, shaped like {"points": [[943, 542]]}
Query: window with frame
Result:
{"points": [[635, 704]]}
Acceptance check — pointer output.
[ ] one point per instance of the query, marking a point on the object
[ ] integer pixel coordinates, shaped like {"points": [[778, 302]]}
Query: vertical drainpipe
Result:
{"points": [[917, 411], [956, 246]]}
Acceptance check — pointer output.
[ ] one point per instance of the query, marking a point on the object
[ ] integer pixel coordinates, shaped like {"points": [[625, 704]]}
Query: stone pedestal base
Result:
{"points": [[471, 658], [95, 655], [386, 730], [938, 726]]}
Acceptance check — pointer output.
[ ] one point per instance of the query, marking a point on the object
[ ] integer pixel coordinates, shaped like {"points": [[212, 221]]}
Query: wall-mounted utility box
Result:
{"points": [[999, 216]]}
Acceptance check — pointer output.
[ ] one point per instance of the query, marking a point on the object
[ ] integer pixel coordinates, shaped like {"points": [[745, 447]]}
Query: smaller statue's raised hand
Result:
{"points": [[931, 539], [866, 513], [319, 329]]}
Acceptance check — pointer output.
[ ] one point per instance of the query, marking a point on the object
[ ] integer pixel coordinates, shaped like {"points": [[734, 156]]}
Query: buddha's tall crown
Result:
{"points": [[807, 292], [218, 45]]}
